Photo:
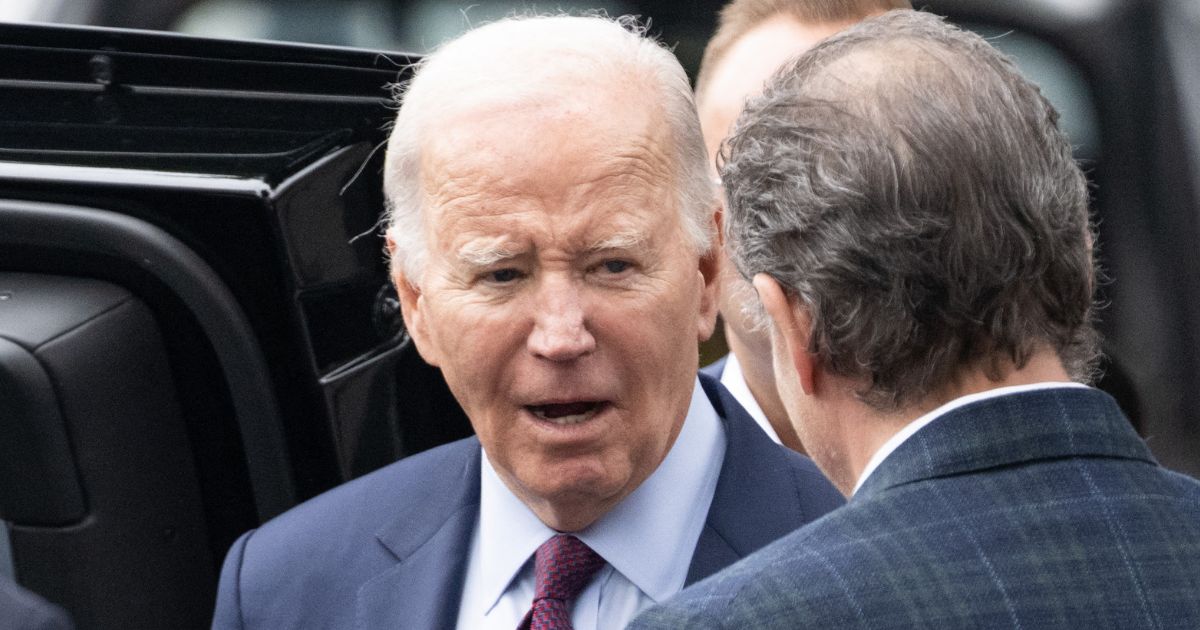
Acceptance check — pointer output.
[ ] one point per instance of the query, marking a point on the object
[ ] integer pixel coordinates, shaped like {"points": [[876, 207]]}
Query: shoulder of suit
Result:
{"points": [[756, 590], [366, 502], [817, 494]]}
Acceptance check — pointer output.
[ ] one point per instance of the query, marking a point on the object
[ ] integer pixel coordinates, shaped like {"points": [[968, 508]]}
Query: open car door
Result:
{"points": [[196, 325]]}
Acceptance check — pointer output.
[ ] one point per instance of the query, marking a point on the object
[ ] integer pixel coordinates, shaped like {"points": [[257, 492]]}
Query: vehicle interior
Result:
{"points": [[196, 326]]}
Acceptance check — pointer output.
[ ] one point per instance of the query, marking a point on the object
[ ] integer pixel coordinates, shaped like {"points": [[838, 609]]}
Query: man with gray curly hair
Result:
{"points": [[753, 38], [916, 228], [550, 230]]}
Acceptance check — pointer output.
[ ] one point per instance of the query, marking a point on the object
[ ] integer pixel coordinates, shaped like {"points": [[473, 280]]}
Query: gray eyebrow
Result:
{"points": [[482, 252], [628, 239], [487, 251]]}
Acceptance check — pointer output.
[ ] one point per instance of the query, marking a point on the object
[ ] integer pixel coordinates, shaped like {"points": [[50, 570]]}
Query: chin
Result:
{"points": [[580, 489], [572, 489]]}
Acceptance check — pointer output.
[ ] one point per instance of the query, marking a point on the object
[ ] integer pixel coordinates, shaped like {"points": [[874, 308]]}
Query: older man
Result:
{"points": [[753, 39], [917, 230], [550, 236]]}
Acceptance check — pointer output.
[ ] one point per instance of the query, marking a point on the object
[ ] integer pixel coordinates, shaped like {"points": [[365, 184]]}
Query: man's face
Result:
{"points": [[740, 75], [561, 298]]}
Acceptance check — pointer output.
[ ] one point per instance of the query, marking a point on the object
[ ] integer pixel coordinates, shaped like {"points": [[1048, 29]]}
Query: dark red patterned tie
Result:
{"points": [[563, 565]]}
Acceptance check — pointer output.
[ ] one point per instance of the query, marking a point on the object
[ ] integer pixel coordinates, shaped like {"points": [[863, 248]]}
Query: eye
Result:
{"points": [[615, 266], [502, 276]]}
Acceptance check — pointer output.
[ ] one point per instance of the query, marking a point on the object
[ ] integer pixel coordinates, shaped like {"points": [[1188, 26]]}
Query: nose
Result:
{"points": [[560, 329]]}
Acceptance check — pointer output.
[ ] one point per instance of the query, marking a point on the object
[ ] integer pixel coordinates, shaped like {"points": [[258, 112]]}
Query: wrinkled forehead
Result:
{"points": [[555, 150]]}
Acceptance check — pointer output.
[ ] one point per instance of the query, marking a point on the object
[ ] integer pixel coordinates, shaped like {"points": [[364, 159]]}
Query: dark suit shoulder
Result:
{"points": [[818, 495], [761, 476], [808, 493], [1181, 485], [1030, 510], [766, 589], [764, 491], [1075, 542], [404, 486], [304, 567], [753, 451]]}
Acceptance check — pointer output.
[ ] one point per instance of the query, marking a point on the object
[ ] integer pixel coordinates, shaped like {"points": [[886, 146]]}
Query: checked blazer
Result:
{"points": [[1040, 509], [389, 549]]}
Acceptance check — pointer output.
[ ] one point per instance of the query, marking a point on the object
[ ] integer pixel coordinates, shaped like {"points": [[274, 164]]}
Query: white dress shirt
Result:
{"points": [[911, 428], [647, 540], [735, 381]]}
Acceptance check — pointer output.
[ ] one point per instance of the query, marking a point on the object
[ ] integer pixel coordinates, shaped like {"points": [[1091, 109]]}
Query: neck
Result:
{"points": [[568, 517], [760, 378], [863, 430]]}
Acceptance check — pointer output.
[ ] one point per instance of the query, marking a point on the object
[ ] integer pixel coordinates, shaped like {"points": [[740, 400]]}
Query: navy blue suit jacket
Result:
{"points": [[1033, 510], [389, 550]]}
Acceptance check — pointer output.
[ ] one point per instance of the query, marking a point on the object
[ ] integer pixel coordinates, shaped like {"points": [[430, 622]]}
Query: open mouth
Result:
{"points": [[567, 413]]}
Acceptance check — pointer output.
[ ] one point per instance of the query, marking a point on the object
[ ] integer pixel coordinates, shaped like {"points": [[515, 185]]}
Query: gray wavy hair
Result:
{"points": [[913, 191], [537, 56]]}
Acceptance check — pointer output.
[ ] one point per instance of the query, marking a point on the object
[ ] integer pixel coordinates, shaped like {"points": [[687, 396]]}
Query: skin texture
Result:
{"points": [[738, 76], [841, 432], [559, 274]]}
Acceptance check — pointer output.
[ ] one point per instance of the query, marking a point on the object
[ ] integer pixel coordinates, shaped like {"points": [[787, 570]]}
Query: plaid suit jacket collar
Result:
{"points": [[1009, 430]]}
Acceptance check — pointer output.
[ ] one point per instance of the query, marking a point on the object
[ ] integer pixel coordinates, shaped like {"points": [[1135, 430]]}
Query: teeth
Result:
{"points": [[564, 420], [574, 419]]}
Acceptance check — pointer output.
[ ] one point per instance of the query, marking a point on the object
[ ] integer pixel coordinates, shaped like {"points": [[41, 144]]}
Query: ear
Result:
{"points": [[710, 273], [411, 306], [794, 327]]}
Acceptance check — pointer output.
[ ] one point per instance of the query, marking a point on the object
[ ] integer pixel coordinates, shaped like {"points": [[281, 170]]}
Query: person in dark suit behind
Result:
{"points": [[753, 38], [914, 223], [550, 225], [21, 609]]}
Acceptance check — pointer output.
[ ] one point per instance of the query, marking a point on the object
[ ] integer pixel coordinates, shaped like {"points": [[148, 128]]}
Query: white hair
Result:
{"points": [[535, 56]]}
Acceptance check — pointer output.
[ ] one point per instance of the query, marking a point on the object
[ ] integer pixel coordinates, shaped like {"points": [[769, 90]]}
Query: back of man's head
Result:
{"points": [[912, 191], [524, 61], [752, 40]]}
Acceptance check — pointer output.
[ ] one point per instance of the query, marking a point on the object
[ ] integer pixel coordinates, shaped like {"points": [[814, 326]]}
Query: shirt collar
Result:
{"points": [[735, 381], [649, 537], [911, 428]]}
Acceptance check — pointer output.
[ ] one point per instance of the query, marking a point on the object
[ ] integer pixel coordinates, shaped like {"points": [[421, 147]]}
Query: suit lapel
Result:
{"points": [[1011, 429], [756, 500], [422, 589]]}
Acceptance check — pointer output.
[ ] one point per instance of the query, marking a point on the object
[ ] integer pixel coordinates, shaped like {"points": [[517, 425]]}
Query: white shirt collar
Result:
{"points": [[649, 537], [734, 380], [911, 428]]}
